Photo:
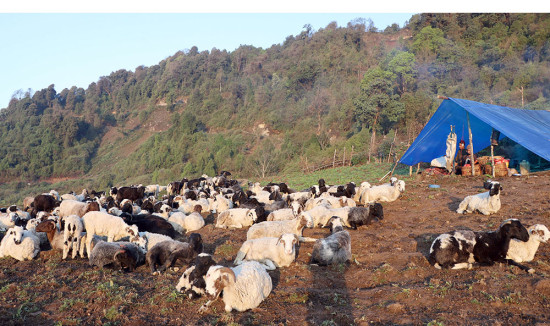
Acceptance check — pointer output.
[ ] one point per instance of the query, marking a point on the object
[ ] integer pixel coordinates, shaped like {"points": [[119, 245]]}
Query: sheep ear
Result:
{"points": [[279, 240]]}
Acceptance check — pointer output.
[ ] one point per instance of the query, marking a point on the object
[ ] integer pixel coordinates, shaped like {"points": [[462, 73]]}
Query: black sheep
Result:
{"points": [[192, 280], [358, 216]]}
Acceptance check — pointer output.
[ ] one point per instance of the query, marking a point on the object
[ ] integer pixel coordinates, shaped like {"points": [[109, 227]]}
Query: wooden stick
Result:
{"points": [[441, 97], [410, 170], [492, 161], [334, 158], [344, 159], [351, 155], [471, 144]]}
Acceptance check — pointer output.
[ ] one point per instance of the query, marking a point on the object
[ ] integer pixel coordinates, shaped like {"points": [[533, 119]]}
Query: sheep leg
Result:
{"points": [[306, 239], [205, 306], [76, 242], [268, 264], [522, 267], [240, 257], [174, 256], [66, 246]]}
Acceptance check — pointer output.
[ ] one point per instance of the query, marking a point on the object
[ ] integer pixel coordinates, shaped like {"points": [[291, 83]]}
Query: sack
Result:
{"points": [[501, 170], [439, 162]]}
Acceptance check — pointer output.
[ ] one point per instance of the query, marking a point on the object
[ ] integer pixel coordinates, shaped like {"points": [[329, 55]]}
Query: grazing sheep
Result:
{"points": [[72, 235], [461, 248], [74, 207], [236, 218], [486, 203], [271, 252], [99, 223], [278, 228], [383, 193], [19, 244], [122, 255], [192, 280], [519, 251], [166, 253], [244, 287], [334, 249]]}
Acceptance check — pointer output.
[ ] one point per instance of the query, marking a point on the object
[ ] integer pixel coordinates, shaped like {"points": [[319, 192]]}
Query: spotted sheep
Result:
{"points": [[486, 203], [462, 248]]}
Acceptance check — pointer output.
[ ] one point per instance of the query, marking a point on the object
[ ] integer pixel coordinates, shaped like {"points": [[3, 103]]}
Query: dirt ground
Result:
{"points": [[389, 282]]}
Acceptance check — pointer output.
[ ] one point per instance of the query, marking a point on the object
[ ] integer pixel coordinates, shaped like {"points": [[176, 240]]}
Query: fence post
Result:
{"points": [[344, 159], [334, 158], [351, 155]]}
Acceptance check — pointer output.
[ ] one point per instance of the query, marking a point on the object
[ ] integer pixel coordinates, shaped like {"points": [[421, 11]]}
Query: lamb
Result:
{"points": [[359, 193], [271, 252], [383, 193], [19, 244], [74, 207], [123, 255], [519, 251], [147, 240], [244, 287], [99, 223], [486, 203], [334, 249], [72, 235], [278, 228], [236, 218], [221, 204], [461, 248], [192, 281], [166, 253]]}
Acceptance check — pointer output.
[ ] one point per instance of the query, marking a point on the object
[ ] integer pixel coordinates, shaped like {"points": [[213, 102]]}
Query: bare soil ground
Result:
{"points": [[389, 282]]}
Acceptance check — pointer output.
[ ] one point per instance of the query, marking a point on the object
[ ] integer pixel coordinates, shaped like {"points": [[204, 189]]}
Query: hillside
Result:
{"points": [[316, 92]]}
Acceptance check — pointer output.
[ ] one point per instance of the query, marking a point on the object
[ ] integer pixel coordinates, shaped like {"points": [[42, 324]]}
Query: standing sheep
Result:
{"points": [[99, 223]]}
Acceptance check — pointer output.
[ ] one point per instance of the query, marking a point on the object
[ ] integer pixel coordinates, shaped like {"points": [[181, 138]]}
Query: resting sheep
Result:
{"points": [[165, 254], [520, 251], [334, 249], [383, 193], [236, 218], [192, 281], [147, 240], [271, 252], [55, 236], [122, 255], [278, 228], [244, 287], [19, 244], [99, 223], [486, 203], [461, 248]]}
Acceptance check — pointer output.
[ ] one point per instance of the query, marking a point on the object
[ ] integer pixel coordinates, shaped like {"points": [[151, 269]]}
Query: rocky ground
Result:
{"points": [[389, 282]]}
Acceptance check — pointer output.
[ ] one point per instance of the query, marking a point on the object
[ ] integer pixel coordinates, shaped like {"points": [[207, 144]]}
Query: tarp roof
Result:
{"points": [[529, 128]]}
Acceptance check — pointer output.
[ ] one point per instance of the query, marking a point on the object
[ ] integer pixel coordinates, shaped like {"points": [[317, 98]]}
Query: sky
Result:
{"points": [[73, 43], [75, 49]]}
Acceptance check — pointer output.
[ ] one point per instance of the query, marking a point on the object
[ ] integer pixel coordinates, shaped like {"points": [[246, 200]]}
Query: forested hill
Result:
{"points": [[257, 111]]}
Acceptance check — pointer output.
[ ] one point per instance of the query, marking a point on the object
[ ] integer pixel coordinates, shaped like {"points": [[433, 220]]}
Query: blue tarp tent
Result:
{"points": [[529, 128]]}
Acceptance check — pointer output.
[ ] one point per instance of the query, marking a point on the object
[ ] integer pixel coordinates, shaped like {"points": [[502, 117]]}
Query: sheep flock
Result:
{"points": [[160, 227]]}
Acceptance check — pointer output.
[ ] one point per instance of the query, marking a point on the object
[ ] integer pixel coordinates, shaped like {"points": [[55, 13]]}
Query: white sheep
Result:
{"points": [[19, 244], [271, 252], [285, 213], [147, 240], [278, 228], [7, 220], [99, 223], [486, 203], [359, 192], [221, 204], [244, 287], [236, 218], [383, 193], [74, 207], [72, 235], [31, 226], [520, 251]]}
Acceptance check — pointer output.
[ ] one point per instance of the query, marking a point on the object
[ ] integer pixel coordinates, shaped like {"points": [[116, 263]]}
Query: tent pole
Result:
{"points": [[471, 143], [492, 161]]}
